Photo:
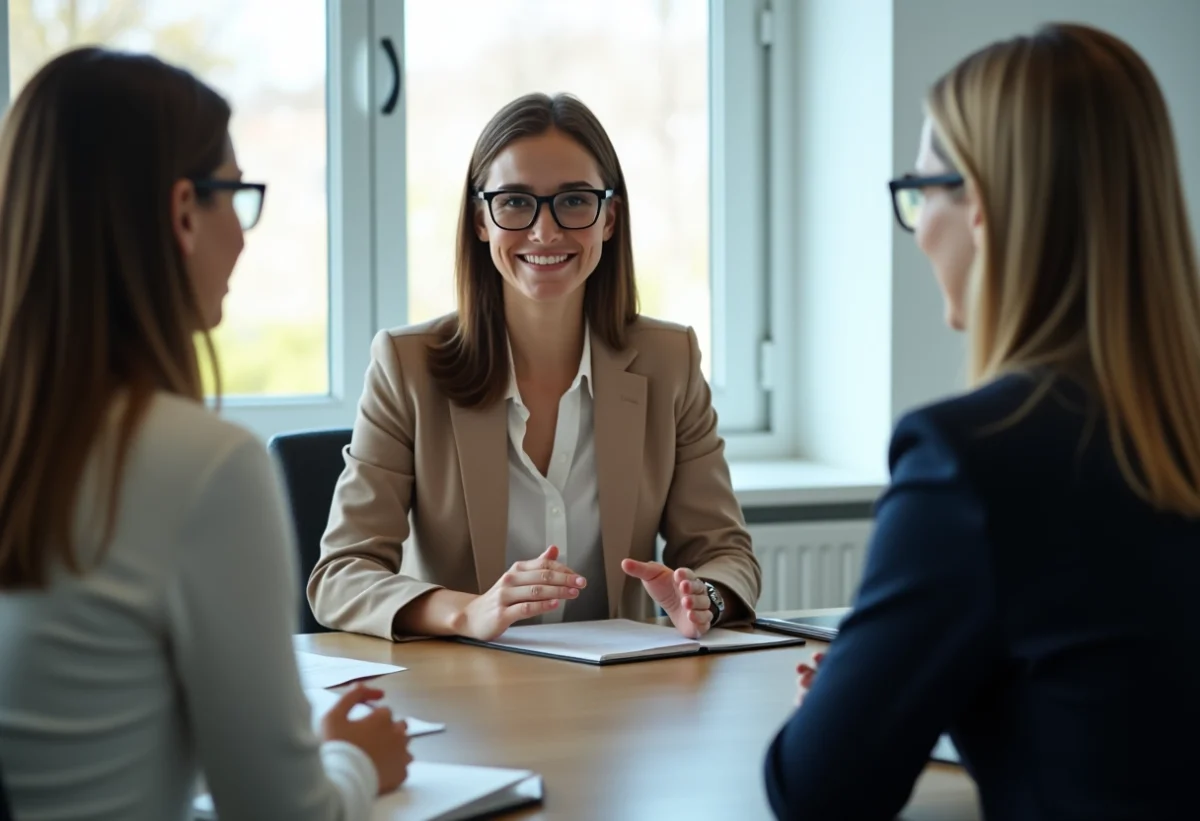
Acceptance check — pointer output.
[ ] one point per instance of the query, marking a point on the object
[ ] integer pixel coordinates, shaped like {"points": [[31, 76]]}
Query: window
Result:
{"points": [[357, 231], [641, 66], [274, 339], [678, 84]]}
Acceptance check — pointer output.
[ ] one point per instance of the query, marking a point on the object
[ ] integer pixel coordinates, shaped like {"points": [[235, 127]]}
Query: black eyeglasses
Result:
{"points": [[572, 210], [247, 197], [908, 195]]}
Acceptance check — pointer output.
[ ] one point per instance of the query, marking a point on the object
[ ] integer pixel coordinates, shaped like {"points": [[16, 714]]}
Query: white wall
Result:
{"points": [[843, 253], [872, 342]]}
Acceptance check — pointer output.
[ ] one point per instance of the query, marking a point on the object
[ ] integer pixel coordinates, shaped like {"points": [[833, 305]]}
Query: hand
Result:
{"points": [[804, 676], [383, 740], [527, 589], [680, 594]]}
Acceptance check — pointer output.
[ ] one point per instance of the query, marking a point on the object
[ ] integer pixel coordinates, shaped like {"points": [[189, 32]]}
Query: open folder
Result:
{"points": [[442, 792], [614, 641]]}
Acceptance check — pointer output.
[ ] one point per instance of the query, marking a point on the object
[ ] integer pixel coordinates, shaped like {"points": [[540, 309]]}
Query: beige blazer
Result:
{"points": [[416, 456]]}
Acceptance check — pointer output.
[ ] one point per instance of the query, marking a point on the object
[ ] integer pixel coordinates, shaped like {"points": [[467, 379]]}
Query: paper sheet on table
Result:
{"points": [[323, 700], [440, 792], [319, 672], [449, 792], [609, 640]]}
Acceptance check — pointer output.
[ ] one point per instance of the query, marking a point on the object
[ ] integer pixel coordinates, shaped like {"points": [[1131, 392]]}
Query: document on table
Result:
{"points": [[318, 672], [610, 641], [323, 700], [441, 792], [456, 792]]}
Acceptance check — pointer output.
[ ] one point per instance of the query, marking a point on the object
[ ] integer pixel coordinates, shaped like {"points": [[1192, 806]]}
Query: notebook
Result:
{"points": [[823, 625], [441, 792], [613, 641]]}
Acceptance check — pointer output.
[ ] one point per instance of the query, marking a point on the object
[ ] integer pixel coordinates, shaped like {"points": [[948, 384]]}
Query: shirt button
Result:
{"points": [[554, 510]]}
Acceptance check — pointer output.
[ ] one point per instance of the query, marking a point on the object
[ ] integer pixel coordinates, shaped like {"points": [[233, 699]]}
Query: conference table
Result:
{"points": [[663, 739]]}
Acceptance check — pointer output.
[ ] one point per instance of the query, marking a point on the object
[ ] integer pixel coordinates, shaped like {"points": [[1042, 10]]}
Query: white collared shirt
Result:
{"points": [[563, 507]]}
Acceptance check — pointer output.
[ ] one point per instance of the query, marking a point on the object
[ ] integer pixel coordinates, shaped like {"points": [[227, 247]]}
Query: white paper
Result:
{"points": [[612, 638], [318, 672], [593, 640], [323, 700], [719, 638], [439, 792], [443, 792]]}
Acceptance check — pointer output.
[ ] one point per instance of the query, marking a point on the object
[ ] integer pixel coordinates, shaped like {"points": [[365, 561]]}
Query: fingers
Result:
{"points": [[685, 574], [643, 570], [695, 595], [526, 610], [543, 577], [546, 561], [536, 593], [359, 694]]}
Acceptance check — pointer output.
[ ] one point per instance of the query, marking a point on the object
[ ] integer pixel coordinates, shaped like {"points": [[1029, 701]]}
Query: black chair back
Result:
{"points": [[311, 462], [5, 810]]}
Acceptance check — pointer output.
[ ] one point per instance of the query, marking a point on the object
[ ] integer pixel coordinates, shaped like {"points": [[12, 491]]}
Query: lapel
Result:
{"points": [[620, 430], [481, 437]]}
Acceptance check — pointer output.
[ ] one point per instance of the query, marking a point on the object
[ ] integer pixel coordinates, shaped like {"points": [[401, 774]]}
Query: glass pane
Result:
{"points": [[272, 68], [640, 65]]}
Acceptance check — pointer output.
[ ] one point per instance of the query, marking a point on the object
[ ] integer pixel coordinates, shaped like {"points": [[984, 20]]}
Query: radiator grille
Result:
{"points": [[809, 564]]}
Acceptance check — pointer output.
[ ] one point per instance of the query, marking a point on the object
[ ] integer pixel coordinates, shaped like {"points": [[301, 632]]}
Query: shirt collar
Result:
{"points": [[582, 376]]}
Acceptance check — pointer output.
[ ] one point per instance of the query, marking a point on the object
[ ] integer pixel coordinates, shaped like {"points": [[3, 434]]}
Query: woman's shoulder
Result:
{"points": [[179, 446], [661, 345], [651, 329], [409, 343], [1012, 424], [180, 423]]}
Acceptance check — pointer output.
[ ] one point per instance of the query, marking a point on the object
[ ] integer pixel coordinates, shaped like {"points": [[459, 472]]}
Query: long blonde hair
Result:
{"points": [[1086, 263], [95, 302]]}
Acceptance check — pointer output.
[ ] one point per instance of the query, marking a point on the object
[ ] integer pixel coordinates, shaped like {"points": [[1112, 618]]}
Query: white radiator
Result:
{"points": [[809, 564]]}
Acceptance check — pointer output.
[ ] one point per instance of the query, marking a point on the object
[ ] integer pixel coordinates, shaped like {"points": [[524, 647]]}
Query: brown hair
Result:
{"points": [[95, 302], [470, 362], [1086, 265]]}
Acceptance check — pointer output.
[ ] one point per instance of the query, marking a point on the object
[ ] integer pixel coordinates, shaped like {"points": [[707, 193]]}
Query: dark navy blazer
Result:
{"points": [[1019, 594]]}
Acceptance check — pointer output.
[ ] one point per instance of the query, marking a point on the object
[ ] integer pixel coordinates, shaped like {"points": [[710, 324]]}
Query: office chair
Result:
{"points": [[311, 462], [5, 810]]}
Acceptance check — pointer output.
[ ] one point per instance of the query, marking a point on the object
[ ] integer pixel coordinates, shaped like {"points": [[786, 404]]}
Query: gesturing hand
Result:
{"points": [[527, 589], [680, 594]]}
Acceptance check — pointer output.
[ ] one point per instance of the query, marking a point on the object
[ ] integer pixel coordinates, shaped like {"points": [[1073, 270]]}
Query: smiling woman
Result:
{"points": [[563, 431]]}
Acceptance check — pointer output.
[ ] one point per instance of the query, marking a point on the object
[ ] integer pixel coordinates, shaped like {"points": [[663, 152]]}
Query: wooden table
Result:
{"points": [[665, 739]]}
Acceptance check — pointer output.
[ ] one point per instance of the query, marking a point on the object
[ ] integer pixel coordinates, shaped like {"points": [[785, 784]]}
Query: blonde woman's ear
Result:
{"points": [[974, 214]]}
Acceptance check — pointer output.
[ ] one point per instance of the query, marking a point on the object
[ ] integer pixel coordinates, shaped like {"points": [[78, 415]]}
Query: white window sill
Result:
{"points": [[791, 482]]}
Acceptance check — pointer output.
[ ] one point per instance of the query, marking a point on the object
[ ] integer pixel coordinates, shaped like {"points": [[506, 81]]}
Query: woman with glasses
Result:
{"points": [[540, 438], [145, 556], [1031, 581]]}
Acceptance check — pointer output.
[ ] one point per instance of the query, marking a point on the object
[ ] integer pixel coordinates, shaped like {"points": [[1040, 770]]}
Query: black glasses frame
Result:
{"points": [[603, 195], [910, 181], [208, 184]]}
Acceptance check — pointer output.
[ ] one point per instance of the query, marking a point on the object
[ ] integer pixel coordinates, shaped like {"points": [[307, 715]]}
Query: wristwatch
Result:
{"points": [[718, 602]]}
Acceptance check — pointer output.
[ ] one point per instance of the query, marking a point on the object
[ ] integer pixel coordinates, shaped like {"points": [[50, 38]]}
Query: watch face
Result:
{"points": [[716, 597]]}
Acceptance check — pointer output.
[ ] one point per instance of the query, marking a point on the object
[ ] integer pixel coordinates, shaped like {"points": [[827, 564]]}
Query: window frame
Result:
{"points": [[749, 356], [751, 93]]}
